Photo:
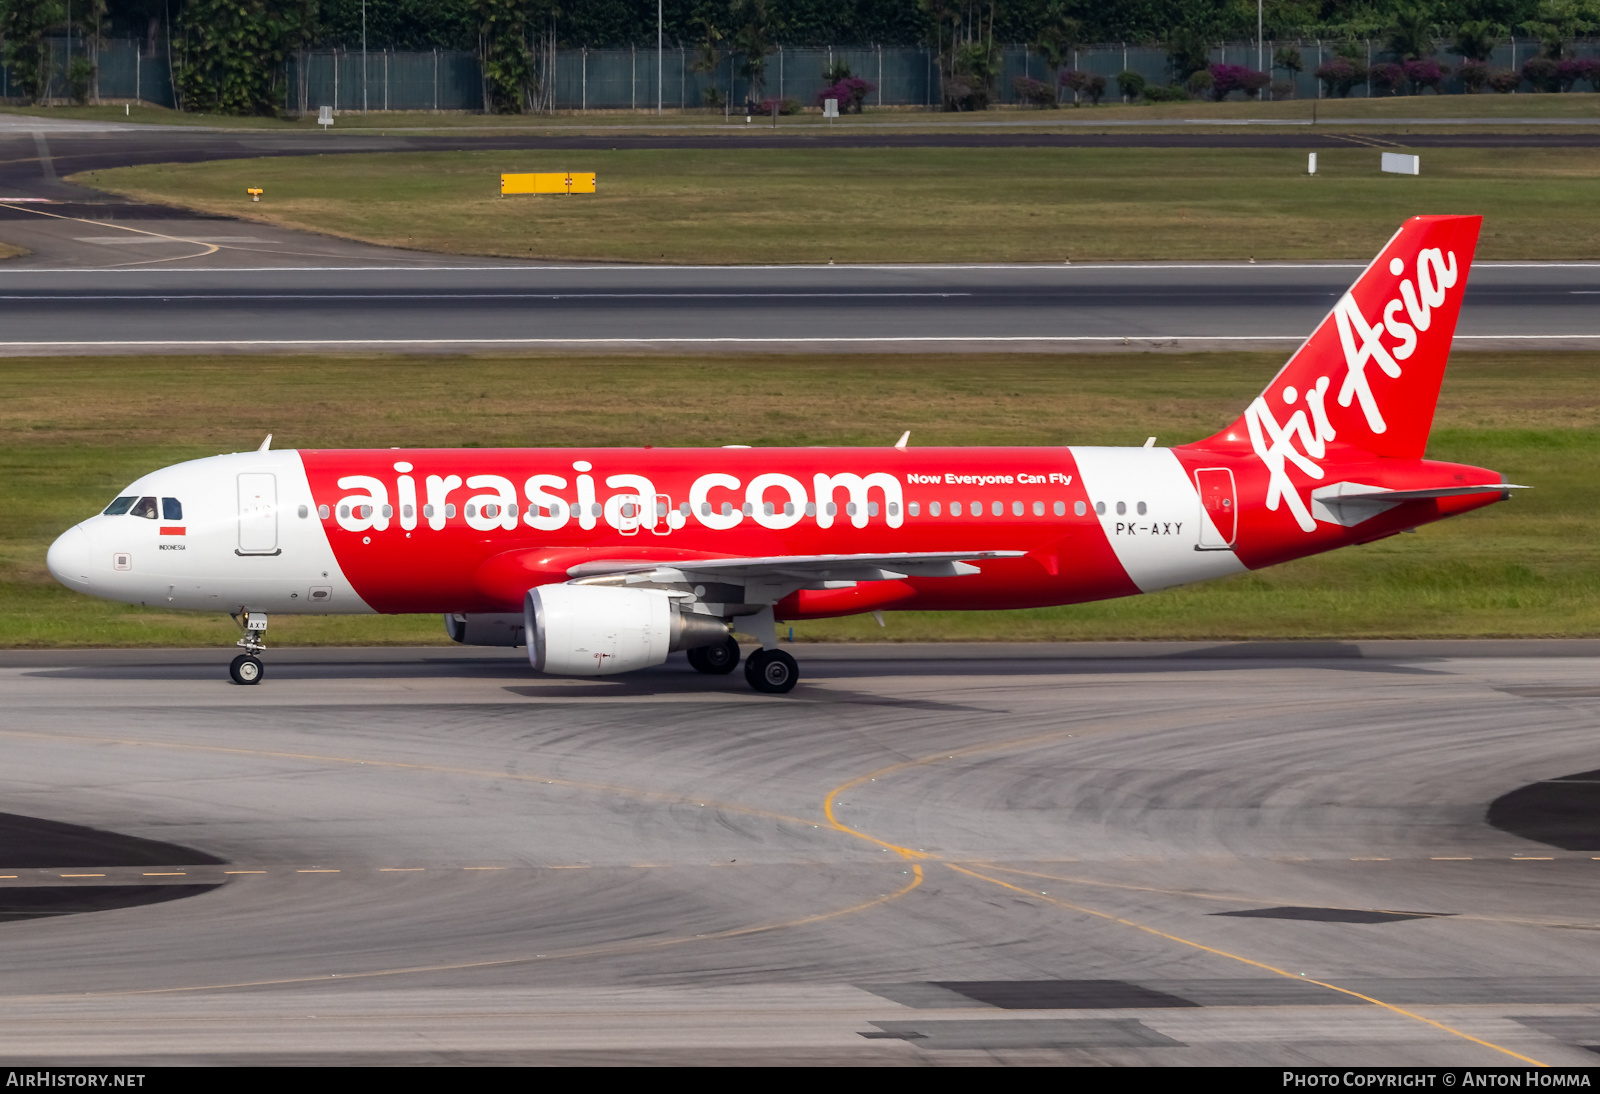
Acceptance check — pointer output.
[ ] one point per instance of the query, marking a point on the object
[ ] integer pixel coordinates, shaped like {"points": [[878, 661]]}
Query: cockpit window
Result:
{"points": [[120, 506], [171, 509], [144, 507]]}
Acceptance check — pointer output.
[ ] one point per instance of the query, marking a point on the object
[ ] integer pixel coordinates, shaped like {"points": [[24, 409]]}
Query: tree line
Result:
{"points": [[227, 55]]}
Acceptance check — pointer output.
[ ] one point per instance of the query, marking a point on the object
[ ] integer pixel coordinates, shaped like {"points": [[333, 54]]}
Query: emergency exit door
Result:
{"points": [[258, 514], [1219, 509]]}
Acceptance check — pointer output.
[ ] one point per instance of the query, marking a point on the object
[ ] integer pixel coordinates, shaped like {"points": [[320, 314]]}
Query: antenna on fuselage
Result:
{"points": [[904, 437], [266, 444]]}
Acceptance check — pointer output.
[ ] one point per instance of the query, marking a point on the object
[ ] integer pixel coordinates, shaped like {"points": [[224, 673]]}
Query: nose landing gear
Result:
{"points": [[247, 668]]}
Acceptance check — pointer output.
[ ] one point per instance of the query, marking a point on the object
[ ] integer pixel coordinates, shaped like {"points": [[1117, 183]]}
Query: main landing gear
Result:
{"points": [[768, 670], [247, 667], [771, 671], [716, 660]]}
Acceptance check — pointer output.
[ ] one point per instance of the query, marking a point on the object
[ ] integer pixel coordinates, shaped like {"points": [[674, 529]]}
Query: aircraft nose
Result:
{"points": [[68, 558]]}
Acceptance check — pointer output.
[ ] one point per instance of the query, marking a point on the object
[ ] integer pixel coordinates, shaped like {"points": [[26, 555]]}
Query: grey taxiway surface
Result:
{"points": [[105, 276], [1159, 853]]}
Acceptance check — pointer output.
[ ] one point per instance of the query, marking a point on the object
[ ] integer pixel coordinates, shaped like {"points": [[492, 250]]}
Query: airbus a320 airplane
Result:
{"points": [[603, 561]]}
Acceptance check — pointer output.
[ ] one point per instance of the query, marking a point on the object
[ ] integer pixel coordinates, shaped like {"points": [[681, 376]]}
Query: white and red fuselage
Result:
{"points": [[276, 532], [1329, 455]]}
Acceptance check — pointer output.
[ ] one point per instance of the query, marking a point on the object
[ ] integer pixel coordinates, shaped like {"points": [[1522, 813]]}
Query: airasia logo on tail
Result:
{"points": [[1434, 275], [1301, 439]]}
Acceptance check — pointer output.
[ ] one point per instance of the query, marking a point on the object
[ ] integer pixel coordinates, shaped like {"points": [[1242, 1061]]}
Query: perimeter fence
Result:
{"points": [[639, 78]]}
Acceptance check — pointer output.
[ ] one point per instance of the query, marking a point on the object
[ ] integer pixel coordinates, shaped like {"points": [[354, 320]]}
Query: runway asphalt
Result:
{"points": [[1160, 853], [332, 304], [106, 276]]}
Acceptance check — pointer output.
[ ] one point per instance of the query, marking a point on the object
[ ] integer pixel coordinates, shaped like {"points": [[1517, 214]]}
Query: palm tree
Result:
{"points": [[1411, 35], [1188, 51], [1557, 21], [1058, 34], [1476, 41], [753, 41]]}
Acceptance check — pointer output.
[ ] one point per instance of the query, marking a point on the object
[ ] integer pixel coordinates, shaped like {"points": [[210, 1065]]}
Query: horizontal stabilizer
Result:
{"points": [[1350, 503], [1373, 493]]}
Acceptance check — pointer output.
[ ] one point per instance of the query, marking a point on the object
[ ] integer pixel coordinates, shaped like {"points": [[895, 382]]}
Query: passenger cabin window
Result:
{"points": [[171, 509], [120, 506], [144, 507]]}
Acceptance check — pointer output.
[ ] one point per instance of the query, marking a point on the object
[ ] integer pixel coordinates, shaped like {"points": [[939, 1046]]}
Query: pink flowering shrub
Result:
{"points": [[1424, 74], [851, 92], [1387, 78]]}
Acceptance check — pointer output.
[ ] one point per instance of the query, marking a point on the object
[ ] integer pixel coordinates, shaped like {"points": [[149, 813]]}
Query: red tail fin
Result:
{"points": [[1370, 373]]}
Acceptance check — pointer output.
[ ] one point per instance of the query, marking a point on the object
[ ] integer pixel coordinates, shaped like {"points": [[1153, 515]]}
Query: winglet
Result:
{"points": [[904, 437], [266, 444]]}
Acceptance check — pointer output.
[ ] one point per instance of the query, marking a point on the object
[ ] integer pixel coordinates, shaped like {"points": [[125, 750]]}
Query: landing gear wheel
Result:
{"points": [[771, 671], [246, 669], [716, 660]]}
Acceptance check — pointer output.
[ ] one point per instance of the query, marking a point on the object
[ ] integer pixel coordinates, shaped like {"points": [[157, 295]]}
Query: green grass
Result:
{"points": [[74, 431], [904, 205], [1559, 107]]}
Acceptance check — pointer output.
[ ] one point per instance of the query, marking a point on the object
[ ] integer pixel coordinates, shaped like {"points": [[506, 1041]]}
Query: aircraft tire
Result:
{"points": [[246, 669], [716, 660], [771, 671]]}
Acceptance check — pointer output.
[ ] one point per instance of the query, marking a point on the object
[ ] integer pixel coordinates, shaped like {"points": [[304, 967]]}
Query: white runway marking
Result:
{"points": [[929, 339], [1066, 267], [491, 296], [119, 241]]}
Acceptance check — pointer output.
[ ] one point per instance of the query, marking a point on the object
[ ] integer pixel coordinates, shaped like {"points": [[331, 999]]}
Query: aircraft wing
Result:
{"points": [[798, 570]]}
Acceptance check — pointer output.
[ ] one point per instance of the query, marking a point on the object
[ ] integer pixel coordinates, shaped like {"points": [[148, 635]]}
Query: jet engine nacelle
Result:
{"points": [[485, 630], [596, 630]]}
